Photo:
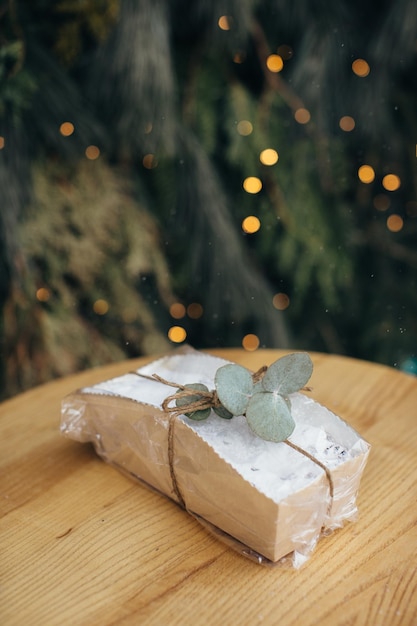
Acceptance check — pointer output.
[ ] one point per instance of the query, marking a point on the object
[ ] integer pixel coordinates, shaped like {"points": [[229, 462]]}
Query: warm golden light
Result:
{"points": [[43, 294], [177, 310], [391, 182], [251, 224], [366, 174], [361, 68], [250, 342], [224, 22], [195, 310], [244, 128], [149, 161], [269, 156], [101, 307], [2, 142], [66, 129], [395, 223], [286, 52], [382, 202], [92, 153], [281, 301], [302, 116], [177, 334], [252, 184], [239, 57], [347, 123], [274, 63]]}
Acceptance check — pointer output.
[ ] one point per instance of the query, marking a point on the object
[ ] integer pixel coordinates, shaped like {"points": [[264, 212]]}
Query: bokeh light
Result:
{"points": [[244, 128], [177, 310], [361, 68], [92, 152], [252, 184], [224, 22], [391, 182], [101, 306], [302, 116], [269, 156], [149, 161], [66, 129], [395, 223], [2, 142], [347, 123], [177, 334], [195, 310], [250, 342], [43, 294], [281, 301], [366, 174], [251, 224], [274, 63]]}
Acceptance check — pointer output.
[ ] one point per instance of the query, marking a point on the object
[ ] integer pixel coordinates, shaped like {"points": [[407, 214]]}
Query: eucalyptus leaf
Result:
{"points": [[288, 374], [199, 414], [223, 412], [234, 386], [269, 417]]}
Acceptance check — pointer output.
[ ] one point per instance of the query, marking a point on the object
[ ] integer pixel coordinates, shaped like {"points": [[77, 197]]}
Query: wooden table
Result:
{"points": [[81, 544]]}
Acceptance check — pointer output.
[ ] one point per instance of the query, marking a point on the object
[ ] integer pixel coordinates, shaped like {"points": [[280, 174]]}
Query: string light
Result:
{"points": [[195, 310], [66, 129], [269, 156], [244, 128], [224, 22], [177, 310], [302, 116], [239, 57], [250, 342], [92, 153], [149, 161], [366, 174], [361, 68], [101, 306], [391, 182], [43, 294], [395, 223], [252, 184], [347, 123], [177, 334], [2, 142], [251, 224], [274, 63], [281, 301]]}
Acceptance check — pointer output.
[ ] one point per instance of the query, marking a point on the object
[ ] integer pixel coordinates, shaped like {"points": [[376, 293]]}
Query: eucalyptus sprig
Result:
{"points": [[262, 397]]}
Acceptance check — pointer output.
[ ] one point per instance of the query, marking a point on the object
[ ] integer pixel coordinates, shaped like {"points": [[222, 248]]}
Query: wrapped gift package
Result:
{"points": [[272, 501]]}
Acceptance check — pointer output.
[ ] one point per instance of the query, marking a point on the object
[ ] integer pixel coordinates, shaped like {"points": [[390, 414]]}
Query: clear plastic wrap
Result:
{"points": [[270, 501]]}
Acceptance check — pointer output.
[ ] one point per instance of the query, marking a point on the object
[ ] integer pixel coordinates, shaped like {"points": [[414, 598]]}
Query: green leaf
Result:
{"points": [[223, 412], [234, 387], [269, 417], [288, 374], [187, 400]]}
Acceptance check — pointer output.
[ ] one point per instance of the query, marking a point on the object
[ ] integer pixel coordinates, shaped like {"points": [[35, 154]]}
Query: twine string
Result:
{"points": [[208, 400]]}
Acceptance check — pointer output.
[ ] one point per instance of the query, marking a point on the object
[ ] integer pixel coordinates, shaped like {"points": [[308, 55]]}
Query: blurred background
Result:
{"points": [[214, 172]]}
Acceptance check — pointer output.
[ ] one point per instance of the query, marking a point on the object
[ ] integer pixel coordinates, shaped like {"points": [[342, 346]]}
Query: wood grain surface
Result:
{"points": [[81, 544]]}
